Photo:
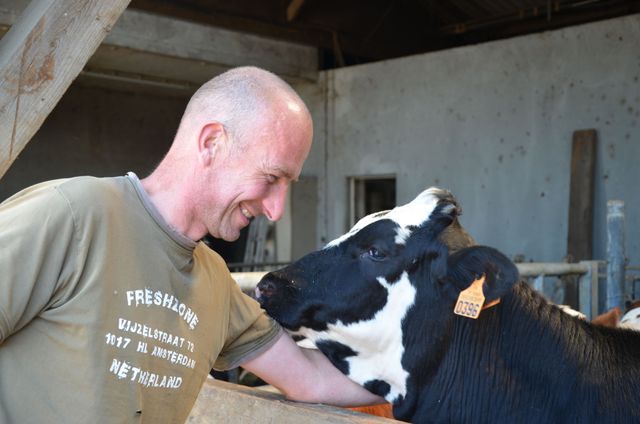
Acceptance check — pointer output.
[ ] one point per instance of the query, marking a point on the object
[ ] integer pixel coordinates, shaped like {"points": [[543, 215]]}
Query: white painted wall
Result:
{"points": [[492, 123]]}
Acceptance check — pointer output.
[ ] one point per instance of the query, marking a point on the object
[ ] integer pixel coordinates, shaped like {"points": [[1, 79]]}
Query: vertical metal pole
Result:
{"points": [[538, 284], [615, 255], [588, 290]]}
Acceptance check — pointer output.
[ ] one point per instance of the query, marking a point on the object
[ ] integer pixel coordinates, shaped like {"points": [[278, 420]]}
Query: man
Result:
{"points": [[110, 308]]}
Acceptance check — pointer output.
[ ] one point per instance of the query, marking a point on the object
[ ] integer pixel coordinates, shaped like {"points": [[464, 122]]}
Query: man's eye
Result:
{"points": [[271, 178], [375, 254]]}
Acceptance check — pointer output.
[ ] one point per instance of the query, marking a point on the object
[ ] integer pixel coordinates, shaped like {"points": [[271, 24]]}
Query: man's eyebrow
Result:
{"points": [[284, 173]]}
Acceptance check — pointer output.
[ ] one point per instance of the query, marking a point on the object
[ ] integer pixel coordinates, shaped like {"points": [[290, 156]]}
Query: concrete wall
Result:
{"points": [[493, 123], [314, 95], [97, 132]]}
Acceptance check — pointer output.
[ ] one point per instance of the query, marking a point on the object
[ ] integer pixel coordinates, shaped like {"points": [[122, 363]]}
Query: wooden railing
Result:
{"points": [[220, 403]]}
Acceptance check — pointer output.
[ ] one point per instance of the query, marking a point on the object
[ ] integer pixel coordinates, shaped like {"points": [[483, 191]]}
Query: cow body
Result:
{"points": [[379, 303]]}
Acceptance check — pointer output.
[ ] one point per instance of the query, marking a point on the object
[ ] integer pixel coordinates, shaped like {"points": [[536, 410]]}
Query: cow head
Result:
{"points": [[353, 298]]}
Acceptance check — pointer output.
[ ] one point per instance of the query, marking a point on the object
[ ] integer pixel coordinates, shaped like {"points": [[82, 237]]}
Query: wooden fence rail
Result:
{"points": [[221, 402]]}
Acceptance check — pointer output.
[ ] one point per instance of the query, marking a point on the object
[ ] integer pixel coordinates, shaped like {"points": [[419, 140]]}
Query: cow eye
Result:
{"points": [[375, 254]]}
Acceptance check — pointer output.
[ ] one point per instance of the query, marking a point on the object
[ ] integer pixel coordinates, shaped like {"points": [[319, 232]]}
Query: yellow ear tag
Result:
{"points": [[471, 299]]}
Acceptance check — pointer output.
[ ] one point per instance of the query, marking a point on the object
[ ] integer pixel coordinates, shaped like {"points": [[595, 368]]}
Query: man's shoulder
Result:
{"points": [[94, 196], [68, 190], [92, 191], [89, 186]]}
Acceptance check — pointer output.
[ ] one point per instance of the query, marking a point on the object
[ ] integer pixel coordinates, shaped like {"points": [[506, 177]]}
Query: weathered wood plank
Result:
{"points": [[580, 221], [293, 9], [40, 56], [179, 54], [583, 160], [145, 32], [221, 402]]}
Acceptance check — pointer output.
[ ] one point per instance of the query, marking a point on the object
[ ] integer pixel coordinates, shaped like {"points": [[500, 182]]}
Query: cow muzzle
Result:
{"points": [[270, 287]]}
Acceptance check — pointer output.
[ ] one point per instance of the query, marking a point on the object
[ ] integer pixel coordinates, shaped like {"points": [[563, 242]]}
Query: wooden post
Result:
{"points": [[40, 56], [583, 160], [580, 220]]}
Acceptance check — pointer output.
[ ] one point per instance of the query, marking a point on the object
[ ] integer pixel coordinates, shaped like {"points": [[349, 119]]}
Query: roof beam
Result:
{"points": [[42, 53], [200, 46], [150, 50], [190, 11], [293, 9]]}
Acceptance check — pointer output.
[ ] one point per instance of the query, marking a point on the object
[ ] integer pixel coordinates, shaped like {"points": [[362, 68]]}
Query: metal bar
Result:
{"points": [[595, 289], [532, 269], [588, 290], [234, 265], [615, 254], [247, 280], [538, 284]]}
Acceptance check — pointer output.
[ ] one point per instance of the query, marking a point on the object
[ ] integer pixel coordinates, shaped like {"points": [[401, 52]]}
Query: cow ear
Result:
{"points": [[467, 265], [445, 213]]}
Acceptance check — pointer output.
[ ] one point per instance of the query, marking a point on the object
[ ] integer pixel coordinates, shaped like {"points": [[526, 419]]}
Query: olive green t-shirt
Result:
{"points": [[106, 313]]}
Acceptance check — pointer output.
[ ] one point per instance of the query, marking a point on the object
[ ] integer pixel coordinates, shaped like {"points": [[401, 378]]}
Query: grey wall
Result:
{"points": [[97, 132], [314, 95], [493, 123]]}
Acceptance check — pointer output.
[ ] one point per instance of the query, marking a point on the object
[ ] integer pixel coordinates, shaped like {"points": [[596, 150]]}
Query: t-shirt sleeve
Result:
{"points": [[36, 254], [251, 331]]}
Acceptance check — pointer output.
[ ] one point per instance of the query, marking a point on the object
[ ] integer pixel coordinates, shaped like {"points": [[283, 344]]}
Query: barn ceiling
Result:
{"points": [[349, 32]]}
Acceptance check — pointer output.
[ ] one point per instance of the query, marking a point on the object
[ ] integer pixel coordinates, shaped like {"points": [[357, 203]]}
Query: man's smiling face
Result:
{"points": [[253, 180]]}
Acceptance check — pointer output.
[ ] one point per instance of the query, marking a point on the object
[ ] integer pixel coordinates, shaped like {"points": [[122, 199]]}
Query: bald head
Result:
{"points": [[243, 138], [241, 99]]}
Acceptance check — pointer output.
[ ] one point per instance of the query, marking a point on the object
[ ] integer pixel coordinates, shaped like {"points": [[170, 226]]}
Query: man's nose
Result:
{"points": [[274, 204]]}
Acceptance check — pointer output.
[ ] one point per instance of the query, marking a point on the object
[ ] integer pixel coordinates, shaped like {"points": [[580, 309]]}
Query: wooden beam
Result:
{"points": [[221, 402], [189, 11], [179, 55], [207, 45], [580, 220], [293, 9], [40, 56], [583, 160]]}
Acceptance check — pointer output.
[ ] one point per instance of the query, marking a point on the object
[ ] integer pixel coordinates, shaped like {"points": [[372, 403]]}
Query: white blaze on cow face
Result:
{"points": [[413, 213], [377, 342]]}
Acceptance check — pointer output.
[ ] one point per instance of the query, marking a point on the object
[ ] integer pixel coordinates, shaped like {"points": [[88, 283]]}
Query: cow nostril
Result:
{"points": [[266, 288]]}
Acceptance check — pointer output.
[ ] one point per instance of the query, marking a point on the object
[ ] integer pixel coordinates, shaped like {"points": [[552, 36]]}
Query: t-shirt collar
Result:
{"points": [[155, 214]]}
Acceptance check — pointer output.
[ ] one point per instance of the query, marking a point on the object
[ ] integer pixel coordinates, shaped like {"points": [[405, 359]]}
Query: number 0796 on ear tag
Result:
{"points": [[470, 300]]}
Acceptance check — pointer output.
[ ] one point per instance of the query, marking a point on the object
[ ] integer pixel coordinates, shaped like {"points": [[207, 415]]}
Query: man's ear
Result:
{"points": [[212, 138], [467, 265]]}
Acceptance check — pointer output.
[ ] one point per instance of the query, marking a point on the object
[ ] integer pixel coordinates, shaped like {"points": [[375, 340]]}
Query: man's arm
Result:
{"points": [[306, 375]]}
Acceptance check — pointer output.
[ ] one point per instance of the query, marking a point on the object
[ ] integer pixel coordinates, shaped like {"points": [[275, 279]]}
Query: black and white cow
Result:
{"points": [[379, 302]]}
